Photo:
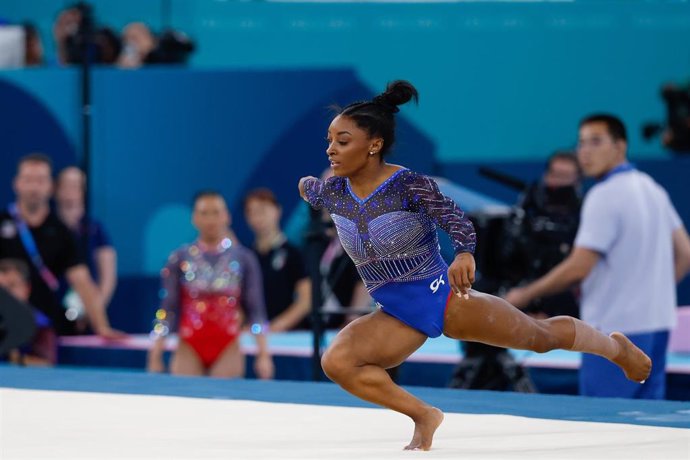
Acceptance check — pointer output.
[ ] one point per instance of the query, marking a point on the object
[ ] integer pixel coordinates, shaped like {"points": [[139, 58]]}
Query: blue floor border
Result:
{"points": [[640, 412]]}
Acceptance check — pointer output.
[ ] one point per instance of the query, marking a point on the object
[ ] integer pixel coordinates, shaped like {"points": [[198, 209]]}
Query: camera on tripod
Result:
{"points": [[529, 240], [516, 246]]}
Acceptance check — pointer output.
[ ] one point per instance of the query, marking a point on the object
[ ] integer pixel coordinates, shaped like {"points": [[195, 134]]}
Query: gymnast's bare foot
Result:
{"points": [[424, 430], [635, 364]]}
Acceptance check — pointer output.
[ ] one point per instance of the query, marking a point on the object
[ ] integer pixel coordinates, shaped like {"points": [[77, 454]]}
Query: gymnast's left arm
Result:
{"points": [[447, 214]]}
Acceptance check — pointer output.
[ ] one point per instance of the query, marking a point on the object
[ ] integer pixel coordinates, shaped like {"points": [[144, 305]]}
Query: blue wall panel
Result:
{"points": [[161, 135]]}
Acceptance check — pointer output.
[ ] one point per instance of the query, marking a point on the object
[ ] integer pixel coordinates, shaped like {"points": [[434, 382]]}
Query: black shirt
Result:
{"points": [[59, 252], [282, 268]]}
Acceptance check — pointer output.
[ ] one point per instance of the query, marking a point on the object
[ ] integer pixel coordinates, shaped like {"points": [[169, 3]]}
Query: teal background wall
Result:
{"points": [[498, 80], [501, 83]]}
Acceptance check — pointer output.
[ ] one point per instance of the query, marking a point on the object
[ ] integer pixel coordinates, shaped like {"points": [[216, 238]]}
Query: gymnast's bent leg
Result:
{"points": [[358, 358]]}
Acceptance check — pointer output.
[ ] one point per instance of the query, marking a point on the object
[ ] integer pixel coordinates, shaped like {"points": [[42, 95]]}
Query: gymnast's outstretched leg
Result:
{"points": [[492, 320]]}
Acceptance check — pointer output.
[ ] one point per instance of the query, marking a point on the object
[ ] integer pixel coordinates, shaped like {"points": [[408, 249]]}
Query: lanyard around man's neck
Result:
{"points": [[31, 249], [621, 168]]}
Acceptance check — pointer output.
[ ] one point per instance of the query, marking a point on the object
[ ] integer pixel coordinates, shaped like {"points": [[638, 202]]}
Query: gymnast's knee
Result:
{"points": [[556, 333], [335, 365], [544, 345]]}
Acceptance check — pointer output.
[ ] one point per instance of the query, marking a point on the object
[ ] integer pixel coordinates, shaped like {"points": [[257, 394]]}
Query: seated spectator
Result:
{"points": [[210, 287], [141, 47], [30, 231], [66, 27], [90, 236], [137, 43], [287, 288], [108, 45], [14, 278], [174, 47], [73, 27], [33, 47]]}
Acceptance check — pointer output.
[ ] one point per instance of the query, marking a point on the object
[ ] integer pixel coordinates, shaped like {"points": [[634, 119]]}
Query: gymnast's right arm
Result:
{"points": [[311, 191]]}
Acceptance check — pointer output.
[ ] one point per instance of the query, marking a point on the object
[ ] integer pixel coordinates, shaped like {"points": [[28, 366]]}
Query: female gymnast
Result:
{"points": [[212, 284], [386, 217]]}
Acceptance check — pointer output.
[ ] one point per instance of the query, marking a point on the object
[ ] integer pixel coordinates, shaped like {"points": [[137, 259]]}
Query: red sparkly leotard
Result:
{"points": [[211, 291]]}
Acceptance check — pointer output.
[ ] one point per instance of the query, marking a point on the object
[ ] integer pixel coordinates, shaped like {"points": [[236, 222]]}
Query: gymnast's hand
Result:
{"points": [[300, 186], [461, 274]]}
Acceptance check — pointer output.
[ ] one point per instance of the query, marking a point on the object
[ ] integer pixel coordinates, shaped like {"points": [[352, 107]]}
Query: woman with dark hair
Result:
{"points": [[211, 288], [386, 217]]}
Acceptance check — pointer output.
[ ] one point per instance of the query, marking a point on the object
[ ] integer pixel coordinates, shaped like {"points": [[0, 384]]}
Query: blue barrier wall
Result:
{"points": [[161, 135], [499, 80]]}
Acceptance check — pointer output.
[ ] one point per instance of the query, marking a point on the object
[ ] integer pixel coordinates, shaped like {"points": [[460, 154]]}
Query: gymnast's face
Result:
{"points": [[211, 217], [349, 147]]}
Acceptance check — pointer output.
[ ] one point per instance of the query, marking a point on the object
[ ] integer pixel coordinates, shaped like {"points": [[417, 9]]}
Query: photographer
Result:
{"points": [[631, 249], [547, 221], [524, 245]]}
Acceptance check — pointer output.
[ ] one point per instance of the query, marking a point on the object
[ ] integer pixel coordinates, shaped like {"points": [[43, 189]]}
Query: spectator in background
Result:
{"points": [[562, 170], [550, 217], [90, 236], [73, 27], [142, 47], [174, 47], [538, 236], [33, 46], [631, 249], [213, 285], [14, 278], [287, 288], [138, 42], [30, 231], [108, 46], [66, 26]]}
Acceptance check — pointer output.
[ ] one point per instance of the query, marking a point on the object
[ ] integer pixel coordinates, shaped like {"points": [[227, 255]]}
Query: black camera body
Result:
{"points": [[529, 241]]}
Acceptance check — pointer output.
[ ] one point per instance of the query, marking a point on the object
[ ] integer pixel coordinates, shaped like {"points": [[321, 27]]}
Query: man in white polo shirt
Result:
{"points": [[631, 249]]}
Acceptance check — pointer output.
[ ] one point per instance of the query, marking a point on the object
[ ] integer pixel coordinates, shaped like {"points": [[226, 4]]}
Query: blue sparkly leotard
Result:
{"points": [[391, 237]]}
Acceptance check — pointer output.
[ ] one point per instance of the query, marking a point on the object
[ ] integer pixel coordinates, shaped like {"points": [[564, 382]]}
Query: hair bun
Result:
{"points": [[385, 104], [397, 92]]}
